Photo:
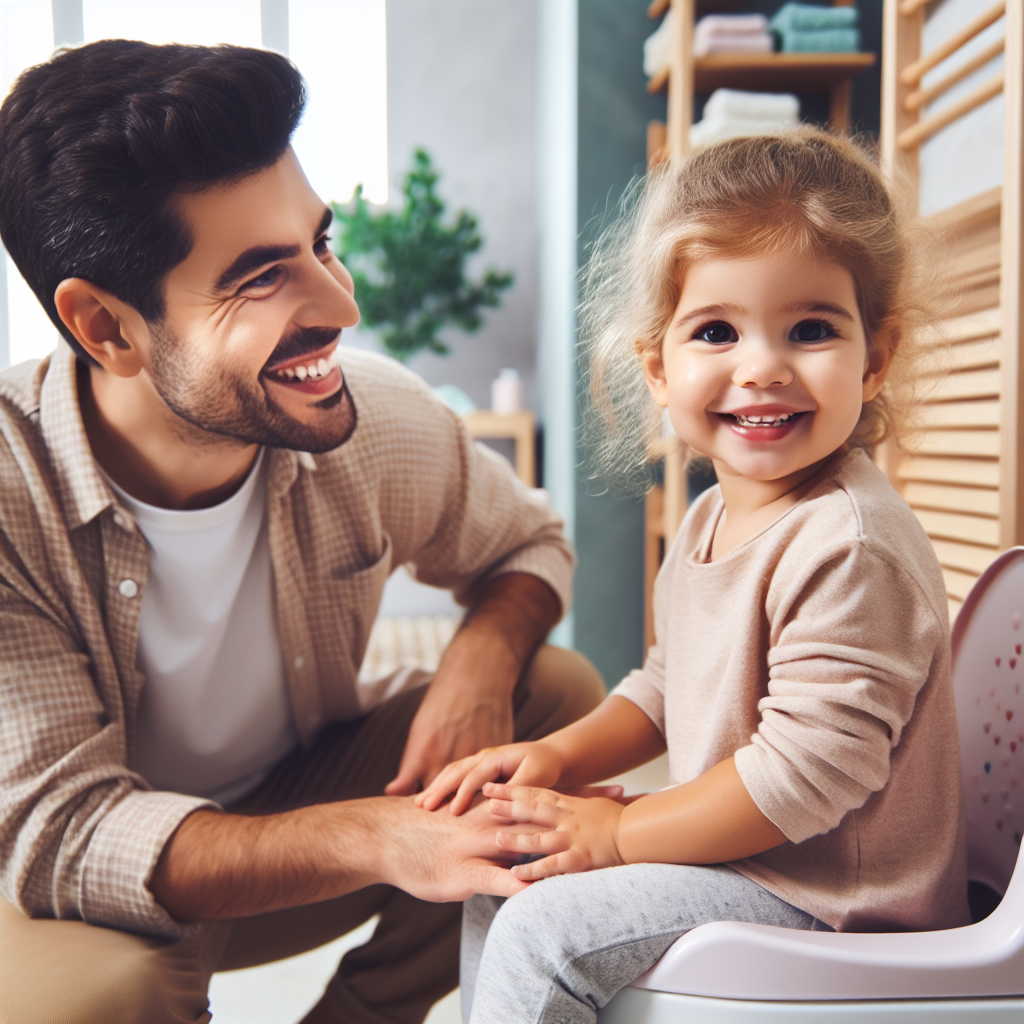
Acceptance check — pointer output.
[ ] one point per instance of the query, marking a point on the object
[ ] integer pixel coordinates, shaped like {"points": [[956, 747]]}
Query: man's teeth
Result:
{"points": [[312, 371], [763, 421]]}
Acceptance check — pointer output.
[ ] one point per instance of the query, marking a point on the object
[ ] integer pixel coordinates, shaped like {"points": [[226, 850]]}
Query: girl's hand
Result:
{"points": [[531, 764], [582, 836]]}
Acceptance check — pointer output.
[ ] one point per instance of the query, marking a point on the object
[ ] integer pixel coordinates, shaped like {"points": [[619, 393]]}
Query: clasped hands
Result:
{"points": [[570, 829]]}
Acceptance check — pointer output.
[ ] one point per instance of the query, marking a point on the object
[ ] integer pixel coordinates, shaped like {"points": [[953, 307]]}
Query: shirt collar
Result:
{"points": [[83, 492]]}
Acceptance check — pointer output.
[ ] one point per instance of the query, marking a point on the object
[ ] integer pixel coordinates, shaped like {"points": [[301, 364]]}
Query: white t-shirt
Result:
{"points": [[214, 714]]}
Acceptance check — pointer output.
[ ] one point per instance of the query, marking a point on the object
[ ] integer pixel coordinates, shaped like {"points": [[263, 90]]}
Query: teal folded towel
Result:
{"points": [[826, 40], [808, 17]]}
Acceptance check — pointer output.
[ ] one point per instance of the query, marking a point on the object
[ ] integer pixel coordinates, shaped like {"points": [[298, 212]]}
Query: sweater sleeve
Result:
{"points": [[852, 643]]}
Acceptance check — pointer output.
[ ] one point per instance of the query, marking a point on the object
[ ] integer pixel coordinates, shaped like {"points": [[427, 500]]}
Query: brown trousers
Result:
{"points": [[67, 972]]}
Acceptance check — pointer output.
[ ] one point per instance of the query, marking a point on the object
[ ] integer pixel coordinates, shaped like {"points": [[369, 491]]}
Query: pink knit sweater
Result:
{"points": [[818, 653]]}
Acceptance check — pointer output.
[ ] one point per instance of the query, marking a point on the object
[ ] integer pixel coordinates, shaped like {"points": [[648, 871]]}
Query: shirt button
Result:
{"points": [[128, 588], [300, 661]]}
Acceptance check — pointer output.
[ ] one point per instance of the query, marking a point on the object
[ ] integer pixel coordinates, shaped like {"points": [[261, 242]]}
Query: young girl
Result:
{"points": [[762, 293]]}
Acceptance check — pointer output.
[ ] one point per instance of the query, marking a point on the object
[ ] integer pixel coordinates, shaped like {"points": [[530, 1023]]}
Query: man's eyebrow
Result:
{"points": [[260, 255], [250, 260]]}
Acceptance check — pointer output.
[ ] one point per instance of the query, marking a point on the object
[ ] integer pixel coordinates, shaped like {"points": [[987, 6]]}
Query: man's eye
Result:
{"points": [[265, 280], [719, 333], [320, 245], [812, 330]]}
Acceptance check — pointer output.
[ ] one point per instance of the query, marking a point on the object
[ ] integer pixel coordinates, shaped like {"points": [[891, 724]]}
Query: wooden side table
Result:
{"points": [[520, 426]]}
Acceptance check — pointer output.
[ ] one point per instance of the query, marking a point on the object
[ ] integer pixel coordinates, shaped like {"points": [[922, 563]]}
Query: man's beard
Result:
{"points": [[232, 407]]}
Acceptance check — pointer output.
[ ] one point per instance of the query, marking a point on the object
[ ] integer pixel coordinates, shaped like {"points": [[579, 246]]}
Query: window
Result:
{"points": [[340, 46]]}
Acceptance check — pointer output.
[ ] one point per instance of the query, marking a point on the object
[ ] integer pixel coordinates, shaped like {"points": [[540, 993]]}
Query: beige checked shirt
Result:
{"points": [[80, 834]]}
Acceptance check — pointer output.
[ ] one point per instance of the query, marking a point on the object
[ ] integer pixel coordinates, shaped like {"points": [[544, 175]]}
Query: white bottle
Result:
{"points": [[507, 392]]}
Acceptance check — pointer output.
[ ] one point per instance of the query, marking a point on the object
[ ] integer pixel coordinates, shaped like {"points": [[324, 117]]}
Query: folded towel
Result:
{"points": [[777, 107], [657, 47], [713, 129], [803, 17], [741, 24], [732, 42], [826, 40]]}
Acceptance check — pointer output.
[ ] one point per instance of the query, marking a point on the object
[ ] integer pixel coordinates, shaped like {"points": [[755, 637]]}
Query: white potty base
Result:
{"points": [[642, 1006]]}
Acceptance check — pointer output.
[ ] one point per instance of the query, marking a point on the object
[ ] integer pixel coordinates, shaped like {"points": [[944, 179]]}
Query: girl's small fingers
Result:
{"points": [[538, 869], [475, 779], [525, 812], [532, 842]]}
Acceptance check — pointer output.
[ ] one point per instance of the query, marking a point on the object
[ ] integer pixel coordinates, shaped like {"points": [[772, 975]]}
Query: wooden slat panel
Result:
{"points": [[953, 526], [958, 442], [966, 355], [979, 298], [958, 584], [967, 384], [975, 472], [979, 501], [978, 260], [954, 608], [959, 414], [967, 557], [981, 324]]}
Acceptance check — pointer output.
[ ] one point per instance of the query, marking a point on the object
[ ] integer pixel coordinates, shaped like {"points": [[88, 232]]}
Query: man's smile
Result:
{"points": [[316, 373]]}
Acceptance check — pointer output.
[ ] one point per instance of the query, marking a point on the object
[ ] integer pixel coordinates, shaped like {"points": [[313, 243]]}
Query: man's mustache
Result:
{"points": [[300, 343]]}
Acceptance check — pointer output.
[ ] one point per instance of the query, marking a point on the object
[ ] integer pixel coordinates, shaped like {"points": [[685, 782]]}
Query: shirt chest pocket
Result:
{"points": [[354, 597]]}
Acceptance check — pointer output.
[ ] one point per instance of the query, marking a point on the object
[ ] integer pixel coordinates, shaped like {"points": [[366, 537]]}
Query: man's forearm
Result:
{"points": [[516, 609], [220, 866]]}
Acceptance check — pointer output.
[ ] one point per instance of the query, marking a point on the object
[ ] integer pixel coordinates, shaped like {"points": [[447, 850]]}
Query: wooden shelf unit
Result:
{"points": [[520, 427], [686, 76], [802, 73]]}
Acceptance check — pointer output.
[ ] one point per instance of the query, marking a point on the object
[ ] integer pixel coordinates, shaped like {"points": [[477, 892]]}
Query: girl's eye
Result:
{"points": [[812, 330], [718, 333], [266, 280]]}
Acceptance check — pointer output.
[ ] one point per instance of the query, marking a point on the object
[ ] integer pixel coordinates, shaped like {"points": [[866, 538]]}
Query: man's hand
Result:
{"points": [[468, 705], [580, 834]]}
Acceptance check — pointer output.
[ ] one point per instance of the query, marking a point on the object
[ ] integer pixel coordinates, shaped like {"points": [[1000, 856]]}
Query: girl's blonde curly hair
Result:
{"points": [[804, 189]]}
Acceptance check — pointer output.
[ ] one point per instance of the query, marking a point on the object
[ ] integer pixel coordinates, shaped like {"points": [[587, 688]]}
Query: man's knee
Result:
{"points": [[559, 687], [67, 972]]}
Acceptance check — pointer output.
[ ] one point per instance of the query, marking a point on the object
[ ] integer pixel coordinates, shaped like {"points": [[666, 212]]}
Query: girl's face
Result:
{"points": [[764, 366]]}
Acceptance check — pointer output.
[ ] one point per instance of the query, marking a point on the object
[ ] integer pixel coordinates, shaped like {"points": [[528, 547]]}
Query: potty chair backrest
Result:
{"points": [[988, 680]]}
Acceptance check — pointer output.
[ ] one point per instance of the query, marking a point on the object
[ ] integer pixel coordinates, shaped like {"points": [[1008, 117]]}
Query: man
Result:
{"points": [[202, 499]]}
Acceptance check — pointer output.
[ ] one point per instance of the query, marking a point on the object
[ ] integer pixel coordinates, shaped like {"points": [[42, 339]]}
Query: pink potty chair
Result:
{"points": [[729, 973]]}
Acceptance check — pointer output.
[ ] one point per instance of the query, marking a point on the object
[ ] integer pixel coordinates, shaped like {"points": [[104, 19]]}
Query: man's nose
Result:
{"points": [[761, 365]]}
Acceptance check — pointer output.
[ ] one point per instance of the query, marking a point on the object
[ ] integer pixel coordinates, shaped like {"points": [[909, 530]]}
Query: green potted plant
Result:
{"points": [[409, 267]]}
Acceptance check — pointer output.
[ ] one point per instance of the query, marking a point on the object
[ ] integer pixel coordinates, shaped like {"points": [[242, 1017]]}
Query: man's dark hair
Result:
{"points": [[95, 143]]}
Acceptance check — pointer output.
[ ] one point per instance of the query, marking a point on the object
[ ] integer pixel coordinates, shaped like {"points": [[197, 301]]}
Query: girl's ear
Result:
{"points": [[654, 373], [876, 368]]}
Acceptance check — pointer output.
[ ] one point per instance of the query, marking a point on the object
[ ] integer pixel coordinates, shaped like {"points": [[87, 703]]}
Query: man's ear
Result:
{"points": [[654, 372], [107, 328]]}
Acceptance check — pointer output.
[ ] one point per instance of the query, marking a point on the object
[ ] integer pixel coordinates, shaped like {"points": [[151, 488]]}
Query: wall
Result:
{"points": [[614, 109], [462, 80]]}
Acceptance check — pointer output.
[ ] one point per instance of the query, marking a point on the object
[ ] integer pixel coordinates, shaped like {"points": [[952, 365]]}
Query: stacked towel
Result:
{"points": [[729, 113], [657, 47], [731, 33], [715, 33], [808, 28]]}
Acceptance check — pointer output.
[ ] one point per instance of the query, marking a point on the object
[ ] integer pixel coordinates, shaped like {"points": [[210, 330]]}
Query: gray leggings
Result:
{"points": [[557, 952]]}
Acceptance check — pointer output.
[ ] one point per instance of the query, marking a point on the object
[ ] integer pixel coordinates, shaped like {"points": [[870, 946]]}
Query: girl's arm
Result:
{"points": [[613, 738], [707, 821]]}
